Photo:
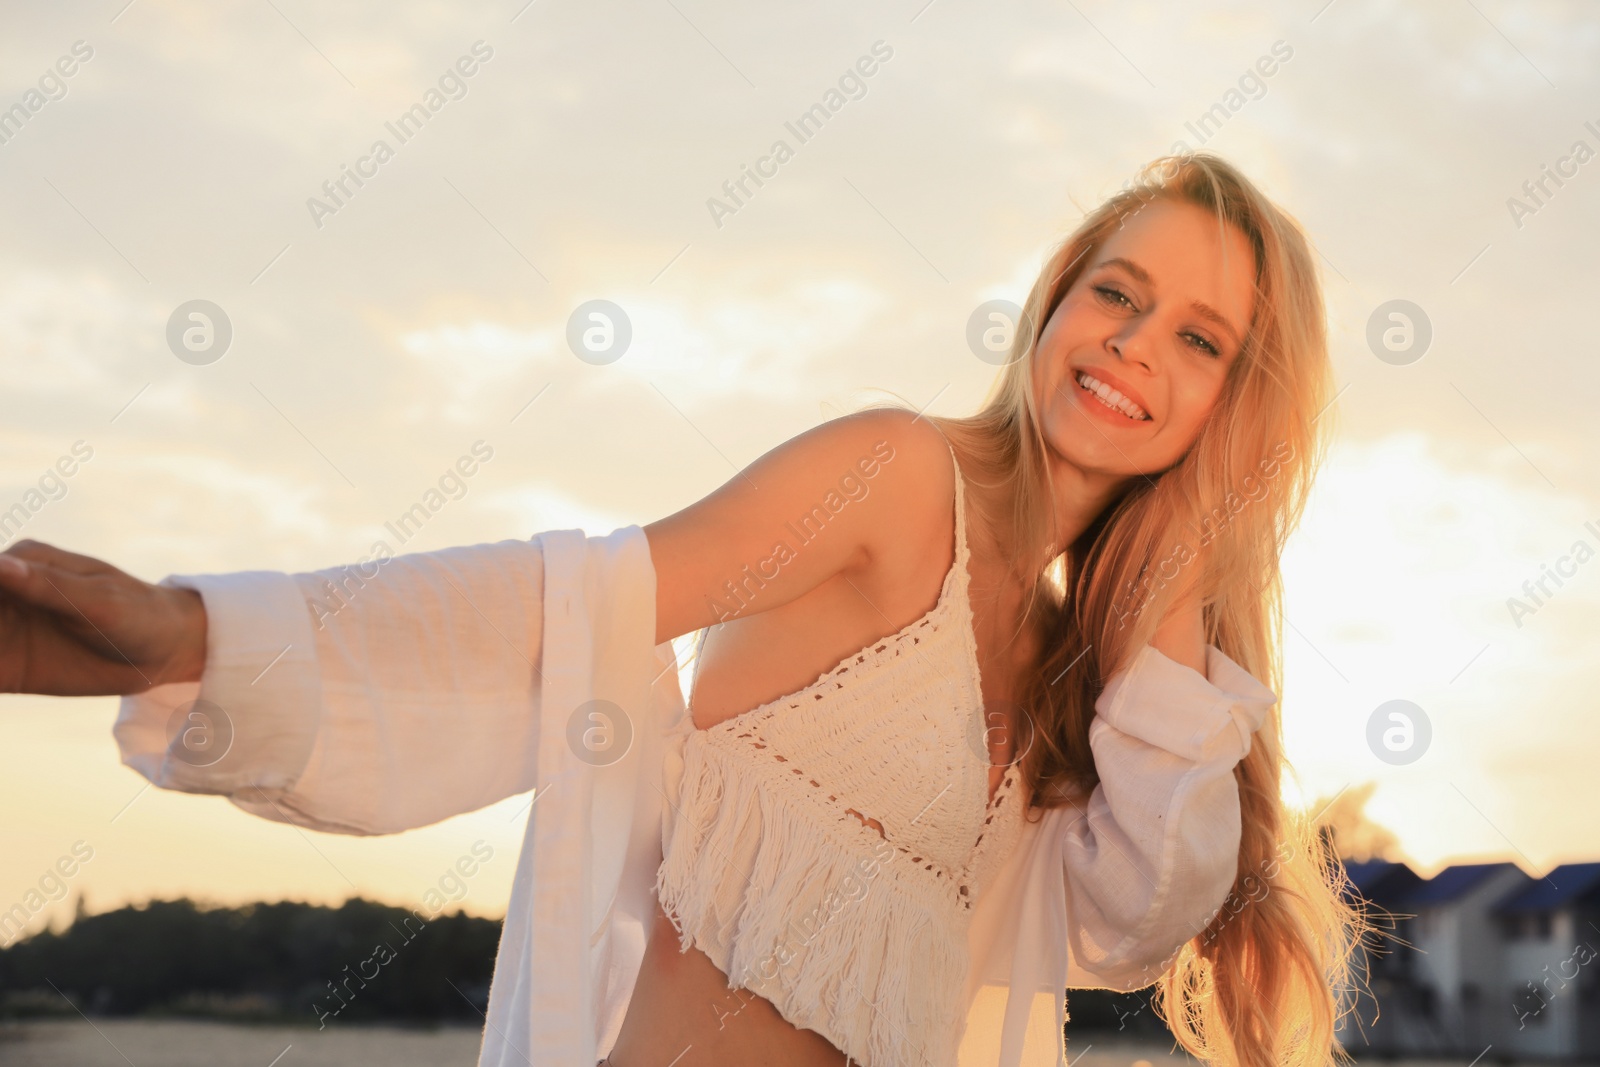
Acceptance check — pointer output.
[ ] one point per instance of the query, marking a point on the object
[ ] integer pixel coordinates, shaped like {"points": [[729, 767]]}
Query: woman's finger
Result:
{"points": [[71, 562], [43, 585]]}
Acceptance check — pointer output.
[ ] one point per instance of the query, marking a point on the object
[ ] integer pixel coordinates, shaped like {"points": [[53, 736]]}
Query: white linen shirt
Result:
{"points": [[442, 682]]}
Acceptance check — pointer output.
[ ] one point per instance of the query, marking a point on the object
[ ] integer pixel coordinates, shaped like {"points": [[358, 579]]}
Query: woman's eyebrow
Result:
{"points": [[1211, 314], [1139, 273], [1201, 308]]}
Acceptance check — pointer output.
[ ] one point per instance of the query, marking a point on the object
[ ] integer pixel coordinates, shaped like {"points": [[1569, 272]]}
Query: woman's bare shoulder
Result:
{"points": [[900, 434], [853, 492], [918, 493]]}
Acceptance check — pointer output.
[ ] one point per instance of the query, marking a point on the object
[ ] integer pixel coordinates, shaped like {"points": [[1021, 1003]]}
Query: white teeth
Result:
{"points": [[1112, 399]]}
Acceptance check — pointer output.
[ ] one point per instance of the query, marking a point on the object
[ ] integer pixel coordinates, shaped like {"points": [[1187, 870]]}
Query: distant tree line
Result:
{"points": [[288, 961]]}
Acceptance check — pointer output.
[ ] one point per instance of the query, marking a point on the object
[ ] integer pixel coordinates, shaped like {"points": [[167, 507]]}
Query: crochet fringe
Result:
{"points": [[812, 915]]}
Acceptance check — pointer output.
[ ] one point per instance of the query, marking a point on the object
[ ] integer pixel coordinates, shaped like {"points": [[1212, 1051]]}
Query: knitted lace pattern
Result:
{"points": [[771, 869]]}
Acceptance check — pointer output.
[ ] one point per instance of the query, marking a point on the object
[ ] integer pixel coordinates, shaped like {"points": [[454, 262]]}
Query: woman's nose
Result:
{"points": [[1132, 346]]}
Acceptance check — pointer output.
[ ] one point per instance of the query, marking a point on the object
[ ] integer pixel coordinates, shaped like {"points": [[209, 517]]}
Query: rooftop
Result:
{"points": [[1453, 883], [1570, 883]]}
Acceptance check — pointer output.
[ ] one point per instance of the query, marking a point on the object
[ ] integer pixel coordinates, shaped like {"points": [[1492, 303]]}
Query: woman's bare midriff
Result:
{"points": [[683, 1014]]}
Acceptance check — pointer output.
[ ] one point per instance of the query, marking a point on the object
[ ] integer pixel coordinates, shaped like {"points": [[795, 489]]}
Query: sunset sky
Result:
{"points": [[377, 338]]}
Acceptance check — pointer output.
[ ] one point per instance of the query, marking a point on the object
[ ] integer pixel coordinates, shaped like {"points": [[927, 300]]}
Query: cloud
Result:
{"points": [[70, 337], [1397, 584], [538, 508], [744, 342], [469, 360]]}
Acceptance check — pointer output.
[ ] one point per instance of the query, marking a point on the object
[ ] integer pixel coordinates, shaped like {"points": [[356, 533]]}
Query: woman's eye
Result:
{"points": [[1112, 295], [1201, 342]]}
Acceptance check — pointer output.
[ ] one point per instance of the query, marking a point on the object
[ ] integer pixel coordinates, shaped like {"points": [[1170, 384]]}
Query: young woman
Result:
{"points": [[1119, 505]]}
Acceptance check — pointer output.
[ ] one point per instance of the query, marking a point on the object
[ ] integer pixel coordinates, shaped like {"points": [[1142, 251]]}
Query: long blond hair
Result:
{"points": [[1265, 984]]}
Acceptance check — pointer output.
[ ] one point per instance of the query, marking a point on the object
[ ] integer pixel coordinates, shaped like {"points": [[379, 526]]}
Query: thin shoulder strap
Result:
{"points": [[961, 509], [961, 514]]}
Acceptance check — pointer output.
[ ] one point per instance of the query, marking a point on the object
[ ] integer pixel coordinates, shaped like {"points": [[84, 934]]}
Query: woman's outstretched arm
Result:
{"points": [[74, 625], [374, 698]]}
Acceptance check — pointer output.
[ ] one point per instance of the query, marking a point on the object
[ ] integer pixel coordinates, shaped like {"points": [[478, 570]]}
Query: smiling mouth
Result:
{"points": [[1110, 398]]}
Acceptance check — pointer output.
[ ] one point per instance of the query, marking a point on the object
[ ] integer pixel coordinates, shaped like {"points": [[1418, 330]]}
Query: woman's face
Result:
{"points": [[1158, 316]]}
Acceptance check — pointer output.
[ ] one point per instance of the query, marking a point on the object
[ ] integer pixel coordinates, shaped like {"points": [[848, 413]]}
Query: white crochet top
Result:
{"points": [[770, 869]]}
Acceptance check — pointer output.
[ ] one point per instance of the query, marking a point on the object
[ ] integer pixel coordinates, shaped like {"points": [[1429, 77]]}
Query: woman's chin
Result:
{"points": [[1091, 456]]}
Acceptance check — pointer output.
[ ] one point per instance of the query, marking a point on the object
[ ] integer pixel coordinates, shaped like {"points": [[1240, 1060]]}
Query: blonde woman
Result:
{"points": [[921, 635]]}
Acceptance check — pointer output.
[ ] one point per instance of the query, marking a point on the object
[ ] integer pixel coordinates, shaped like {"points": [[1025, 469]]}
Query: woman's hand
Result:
{"points": [[73, 625]]}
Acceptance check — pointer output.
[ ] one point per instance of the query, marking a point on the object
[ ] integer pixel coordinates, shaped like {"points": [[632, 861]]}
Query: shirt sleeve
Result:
{"points": [[1153, 851], [362, 699]]}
